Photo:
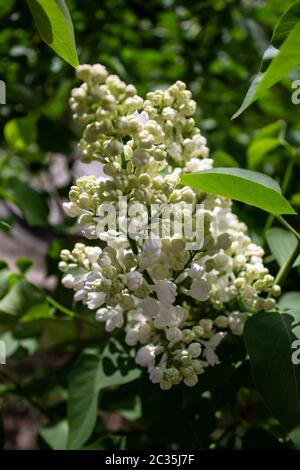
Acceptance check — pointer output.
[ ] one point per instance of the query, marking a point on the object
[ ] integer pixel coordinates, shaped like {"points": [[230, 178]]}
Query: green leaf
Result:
{"points": [[268, 338], [37, 312], [5, 226], [13, 344], [21, 297], [56, 436], [222, 158], [283, 61], [90, 375], [275, 129], [6, 7], [5, 275], [83, 400], [23, 264], [53, 20], [259, 149], [281, 243], [31, 203], [129, 407], [286, 23], [21, 132], [290, 303], [295, 199], [242, 185]]}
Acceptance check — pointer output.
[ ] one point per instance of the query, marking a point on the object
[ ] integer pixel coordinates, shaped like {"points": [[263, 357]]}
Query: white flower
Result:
{"points": [[89, 231], [200, 289], [155, 374], [142, 117], [169, 316], [93, 253], [146, 355], [134, 280], [71, 209], [174, 335], [166, 292], [223, 262], [236, 321], [95, 300], [196, 270], [132, 336], [151, 251], [175, 151], [194, 349], [68, 281], [139, 334], [113, 317], [74, 281], [150, 307], [195, 164], [210, 346], [79, 295]]}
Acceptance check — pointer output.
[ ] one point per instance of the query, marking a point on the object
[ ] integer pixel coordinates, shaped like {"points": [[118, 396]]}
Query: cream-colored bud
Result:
{"points": [[259, 285], [144, 179], [84, 201], [63, 266], [65, 255], [240, 282], [207, 325], [113, 148], [188, 195], [198, 330], [221, 321], [197, 366], [188, 335], [276, 290]]}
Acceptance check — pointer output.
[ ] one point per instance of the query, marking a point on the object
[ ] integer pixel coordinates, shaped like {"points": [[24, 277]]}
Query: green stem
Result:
{"points": [[285, 183], [288, 226], [285, 269], [68, 312]]}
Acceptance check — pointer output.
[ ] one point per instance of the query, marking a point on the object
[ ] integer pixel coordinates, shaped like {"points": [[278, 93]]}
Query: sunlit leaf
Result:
{"points": [[54, 23], [242, 185], [283, 60]]}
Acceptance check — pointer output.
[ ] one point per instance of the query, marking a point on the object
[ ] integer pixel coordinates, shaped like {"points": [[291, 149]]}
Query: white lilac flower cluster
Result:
{"points": [[175, 305]]}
